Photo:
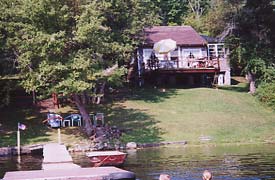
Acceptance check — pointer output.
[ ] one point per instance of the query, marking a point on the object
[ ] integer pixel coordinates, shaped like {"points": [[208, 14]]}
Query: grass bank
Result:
{"points": [[198, 115]]}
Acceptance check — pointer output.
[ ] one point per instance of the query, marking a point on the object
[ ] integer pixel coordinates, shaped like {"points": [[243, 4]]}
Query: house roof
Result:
{"points": [[183, 35]]}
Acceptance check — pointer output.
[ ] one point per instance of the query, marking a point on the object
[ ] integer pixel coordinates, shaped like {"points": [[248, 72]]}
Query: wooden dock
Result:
{"points": [[56, 156], [58, 165], [99, 173]]}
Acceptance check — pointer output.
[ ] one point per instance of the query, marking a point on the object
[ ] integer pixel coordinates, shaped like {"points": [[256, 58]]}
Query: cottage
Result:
{"points": [[196, 60]]}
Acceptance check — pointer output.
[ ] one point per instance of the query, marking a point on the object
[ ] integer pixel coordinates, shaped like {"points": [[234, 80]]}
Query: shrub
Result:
{"points": [[266, 93]]}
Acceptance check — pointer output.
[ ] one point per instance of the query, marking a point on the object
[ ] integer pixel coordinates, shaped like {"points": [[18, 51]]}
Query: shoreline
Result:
{"points": [[36, 148]]}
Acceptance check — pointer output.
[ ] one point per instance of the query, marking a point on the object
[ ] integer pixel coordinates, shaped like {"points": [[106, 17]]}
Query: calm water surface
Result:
{"points": [[246, 162]]}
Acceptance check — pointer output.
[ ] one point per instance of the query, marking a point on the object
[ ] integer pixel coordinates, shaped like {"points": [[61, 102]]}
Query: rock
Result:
{"points": [[131, 145], [5, 151], [25, 150]]}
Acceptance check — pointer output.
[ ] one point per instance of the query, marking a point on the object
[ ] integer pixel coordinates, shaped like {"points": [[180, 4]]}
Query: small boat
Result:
{"points": [[106, 158]]}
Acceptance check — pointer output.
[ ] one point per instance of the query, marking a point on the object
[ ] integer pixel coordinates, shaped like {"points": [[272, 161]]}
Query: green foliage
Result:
{"points": [[252, 43], [256, 66], [125, 21], [196, 23], [5, 92], [269, 75], [170, 12], [236, 53], [62, 46], [196, 12], [266, 93], [116, 78], [219, 17]]}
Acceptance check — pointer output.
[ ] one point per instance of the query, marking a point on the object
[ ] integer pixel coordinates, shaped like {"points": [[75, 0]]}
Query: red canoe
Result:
{"points": [[106, 158]]}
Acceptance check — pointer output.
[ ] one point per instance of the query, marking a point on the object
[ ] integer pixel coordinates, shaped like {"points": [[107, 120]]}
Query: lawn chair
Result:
{"points": [[72, 119], [99, 119]]}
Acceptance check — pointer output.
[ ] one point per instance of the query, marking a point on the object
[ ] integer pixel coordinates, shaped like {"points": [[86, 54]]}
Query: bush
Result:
{"points": [[266, 93]]}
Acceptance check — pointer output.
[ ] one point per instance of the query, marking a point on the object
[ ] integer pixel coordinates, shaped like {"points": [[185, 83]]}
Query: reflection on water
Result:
{"points": [[28, 162], [247, 162]]}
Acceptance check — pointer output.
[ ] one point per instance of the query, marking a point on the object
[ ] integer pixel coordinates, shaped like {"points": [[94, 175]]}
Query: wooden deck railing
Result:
{"points": [[191, 63]]}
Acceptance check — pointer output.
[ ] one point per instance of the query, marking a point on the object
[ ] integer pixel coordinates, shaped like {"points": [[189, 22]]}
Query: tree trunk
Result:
{"points": [[94, 95], [33, 97], [101, 93], [84, 113], [251, 79]]}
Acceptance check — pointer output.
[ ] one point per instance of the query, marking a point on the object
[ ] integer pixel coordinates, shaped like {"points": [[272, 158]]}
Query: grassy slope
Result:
{"points": [[227, 115], [190, 114]]}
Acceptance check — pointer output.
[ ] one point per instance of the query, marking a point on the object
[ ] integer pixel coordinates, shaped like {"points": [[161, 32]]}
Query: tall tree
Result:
{"points": [[219, 21], [196, 11], [170, 12], [255, 39], [63, 46]]}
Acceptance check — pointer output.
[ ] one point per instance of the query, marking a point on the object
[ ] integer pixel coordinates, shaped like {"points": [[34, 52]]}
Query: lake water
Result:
{"points": [[245, 162]]}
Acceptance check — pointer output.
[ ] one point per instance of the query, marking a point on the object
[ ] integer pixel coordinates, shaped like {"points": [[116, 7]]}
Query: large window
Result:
{"points": [[192, 53], [147, 54], [216, 50]]}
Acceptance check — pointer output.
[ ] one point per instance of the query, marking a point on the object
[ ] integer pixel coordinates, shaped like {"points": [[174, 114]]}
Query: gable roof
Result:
{"points": [[183, 35]]}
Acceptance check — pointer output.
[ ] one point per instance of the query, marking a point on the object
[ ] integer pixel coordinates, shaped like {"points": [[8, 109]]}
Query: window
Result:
{"points": [[216, 50], [220, 50], [212, 50], [174, 53], [191, 53], [147, 54]]}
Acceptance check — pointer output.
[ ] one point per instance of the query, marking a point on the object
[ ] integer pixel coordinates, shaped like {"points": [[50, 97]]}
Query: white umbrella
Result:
{"points": [[165, 46]]}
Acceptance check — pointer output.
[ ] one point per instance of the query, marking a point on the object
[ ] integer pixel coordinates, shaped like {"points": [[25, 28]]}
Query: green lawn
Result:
{"points": [[224, 115], [227, 115]]}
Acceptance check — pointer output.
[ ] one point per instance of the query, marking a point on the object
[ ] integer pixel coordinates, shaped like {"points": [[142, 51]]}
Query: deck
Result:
{"points": [[202, 65]]}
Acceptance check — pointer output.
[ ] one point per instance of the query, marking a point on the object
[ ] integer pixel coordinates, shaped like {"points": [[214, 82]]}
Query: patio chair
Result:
{"points": [[76, 118], [99, 119], [92, 117], [72, 119], [67, 120]]}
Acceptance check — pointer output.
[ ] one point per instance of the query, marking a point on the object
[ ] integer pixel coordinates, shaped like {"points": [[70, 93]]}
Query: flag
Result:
{"points": [[22, 126]]}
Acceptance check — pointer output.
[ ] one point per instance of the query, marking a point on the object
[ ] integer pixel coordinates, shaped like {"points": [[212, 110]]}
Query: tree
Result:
{"points": [[196, 11], [169, 12], [64, 46], [255, 27], [219, 21]]}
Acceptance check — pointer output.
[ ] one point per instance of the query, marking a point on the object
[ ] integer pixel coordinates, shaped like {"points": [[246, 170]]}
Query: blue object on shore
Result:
{"points": [[54, 123], [54, 120], [74, 118]]}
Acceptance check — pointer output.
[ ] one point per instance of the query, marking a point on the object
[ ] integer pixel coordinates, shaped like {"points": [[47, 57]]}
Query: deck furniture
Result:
{"points": [[72, 119], [99, 119]]}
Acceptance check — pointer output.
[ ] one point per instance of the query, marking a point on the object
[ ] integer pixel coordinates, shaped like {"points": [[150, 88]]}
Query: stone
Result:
{"points": [[131, 145]]}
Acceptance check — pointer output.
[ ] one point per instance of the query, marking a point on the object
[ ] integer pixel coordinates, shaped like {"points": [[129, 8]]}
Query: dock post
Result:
{"points": [[59, 136], [18, 141]]}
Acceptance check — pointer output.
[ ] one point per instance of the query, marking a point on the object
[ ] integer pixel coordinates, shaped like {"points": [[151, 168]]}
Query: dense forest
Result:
{"points": [[73, 46]]}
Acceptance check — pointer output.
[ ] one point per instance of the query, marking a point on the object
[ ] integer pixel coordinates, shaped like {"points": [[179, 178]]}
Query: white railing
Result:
{"points": [[191, 63]]}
